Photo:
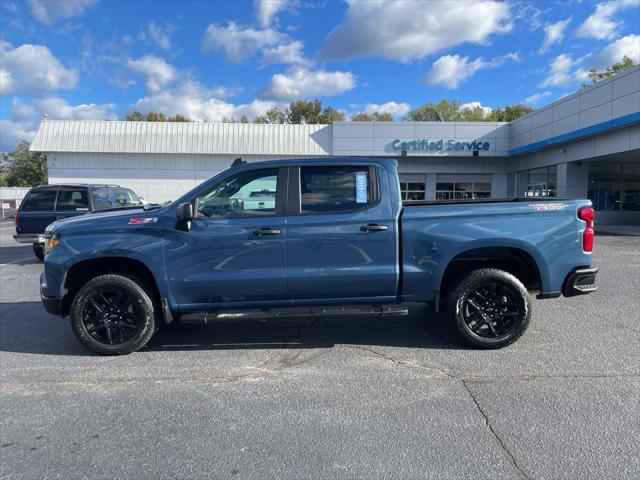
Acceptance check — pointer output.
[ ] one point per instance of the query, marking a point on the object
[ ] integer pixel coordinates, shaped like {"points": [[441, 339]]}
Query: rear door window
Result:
{"points": [[73, 199], [335, 189], [40, 200]]}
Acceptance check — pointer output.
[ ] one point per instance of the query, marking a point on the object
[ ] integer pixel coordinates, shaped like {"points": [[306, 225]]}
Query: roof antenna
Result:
{"points": [[238, 161]]}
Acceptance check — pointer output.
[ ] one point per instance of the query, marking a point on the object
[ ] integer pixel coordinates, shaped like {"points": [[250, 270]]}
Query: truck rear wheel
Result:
{"points": [[491, 308], [113, 315], [38, 250]]}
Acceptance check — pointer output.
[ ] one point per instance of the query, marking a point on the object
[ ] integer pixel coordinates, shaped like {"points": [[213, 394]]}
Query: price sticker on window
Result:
{"points": [[361, 187]]}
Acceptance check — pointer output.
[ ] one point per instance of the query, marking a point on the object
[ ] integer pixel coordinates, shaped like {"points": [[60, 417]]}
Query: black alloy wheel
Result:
{"points": [[491, 308], [111, 316], [114, 314]]}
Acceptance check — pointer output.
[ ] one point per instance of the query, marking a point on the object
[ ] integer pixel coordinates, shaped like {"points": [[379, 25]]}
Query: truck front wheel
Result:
{"points": [[113, 315], [491, 308]]}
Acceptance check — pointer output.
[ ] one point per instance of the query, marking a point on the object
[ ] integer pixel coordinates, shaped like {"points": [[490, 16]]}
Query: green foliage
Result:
{"points": [[614, 69], [374, 117], [451, 111], [508, 113], [443, 111], [155, 117], [302, 111], [25, 168]]}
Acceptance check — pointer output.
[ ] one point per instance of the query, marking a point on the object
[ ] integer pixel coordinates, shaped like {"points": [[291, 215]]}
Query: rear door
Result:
{"points": [[341, 235], [37, 210], [72, 201]]}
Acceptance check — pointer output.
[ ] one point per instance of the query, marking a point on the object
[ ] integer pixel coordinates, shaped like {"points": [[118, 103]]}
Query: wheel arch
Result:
{"points": [[81, 272], [514, 259]]}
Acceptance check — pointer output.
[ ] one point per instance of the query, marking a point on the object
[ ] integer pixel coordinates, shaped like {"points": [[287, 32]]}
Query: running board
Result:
{"points": [[299, 312]]}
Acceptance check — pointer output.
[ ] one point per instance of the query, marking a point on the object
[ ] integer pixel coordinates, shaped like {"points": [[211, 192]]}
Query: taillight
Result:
{"points": [[15, 219], [587, 214]]}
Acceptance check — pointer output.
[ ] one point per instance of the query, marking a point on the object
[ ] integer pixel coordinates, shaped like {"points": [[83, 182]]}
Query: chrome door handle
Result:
{"points": [[60, 217], [266, 231], [372, 227]]}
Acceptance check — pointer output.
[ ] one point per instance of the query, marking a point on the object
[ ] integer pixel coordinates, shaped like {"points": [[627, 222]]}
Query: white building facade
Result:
{"points": [[585, 145]]}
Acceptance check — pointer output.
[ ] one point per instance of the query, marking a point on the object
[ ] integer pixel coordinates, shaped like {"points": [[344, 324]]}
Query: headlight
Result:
{"points": [[52, 243]]}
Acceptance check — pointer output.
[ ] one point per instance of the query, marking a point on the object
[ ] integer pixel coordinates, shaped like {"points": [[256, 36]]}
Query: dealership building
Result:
{"points": [[585, 145]]}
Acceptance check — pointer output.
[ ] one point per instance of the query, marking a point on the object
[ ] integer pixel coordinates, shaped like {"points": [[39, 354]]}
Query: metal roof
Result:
{"points": [[179, 137]]}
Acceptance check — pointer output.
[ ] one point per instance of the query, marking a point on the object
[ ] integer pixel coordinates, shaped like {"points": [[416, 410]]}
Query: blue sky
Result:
{"points": [[91, 59]]}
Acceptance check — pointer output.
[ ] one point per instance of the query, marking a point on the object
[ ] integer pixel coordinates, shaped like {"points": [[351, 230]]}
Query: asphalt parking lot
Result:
{"points": [[330, 398]]}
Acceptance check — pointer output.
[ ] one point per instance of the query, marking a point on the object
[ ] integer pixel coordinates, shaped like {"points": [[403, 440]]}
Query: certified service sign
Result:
{"points": [[423, 145]]}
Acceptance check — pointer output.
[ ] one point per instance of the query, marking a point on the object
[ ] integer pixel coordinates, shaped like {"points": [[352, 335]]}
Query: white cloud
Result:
{"points": [[565, 71], [24, 117], [32, 69], [238, 44], [199, 103], [601, 24], [301, 83], [537, 97], [160, 35], [290, 53], [554, 33], [450, 70], [158, 72], [395, 109], [472, 105], [561, 71], [49, 11], [404, 30], [614, 52], [266, 10]]}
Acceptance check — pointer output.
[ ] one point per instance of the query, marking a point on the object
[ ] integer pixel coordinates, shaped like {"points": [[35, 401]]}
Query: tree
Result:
{"points": [[155, 117], [443, 111], [474, 114], [509, 113], [609, 72], [301, 112], [25, 168], [451, 111], [374, 117], [273, 115]]}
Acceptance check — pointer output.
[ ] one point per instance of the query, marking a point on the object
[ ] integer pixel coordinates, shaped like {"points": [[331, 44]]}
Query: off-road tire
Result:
{"points": [[136, 290], [457, 309]]}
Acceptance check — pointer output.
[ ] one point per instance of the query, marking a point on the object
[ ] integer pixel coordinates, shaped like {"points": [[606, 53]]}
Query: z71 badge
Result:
{"points": [[142, 221]]}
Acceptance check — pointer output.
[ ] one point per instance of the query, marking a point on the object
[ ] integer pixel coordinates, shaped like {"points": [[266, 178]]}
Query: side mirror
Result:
{"points": [[184, 215], [185, 211]]}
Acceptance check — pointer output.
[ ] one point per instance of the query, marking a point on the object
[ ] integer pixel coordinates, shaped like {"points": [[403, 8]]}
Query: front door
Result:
{"points": [[341, 235], [234, 252]]}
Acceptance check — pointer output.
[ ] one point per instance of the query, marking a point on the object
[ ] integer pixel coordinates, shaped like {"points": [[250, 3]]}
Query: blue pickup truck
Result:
{"points": [[335, 239]]}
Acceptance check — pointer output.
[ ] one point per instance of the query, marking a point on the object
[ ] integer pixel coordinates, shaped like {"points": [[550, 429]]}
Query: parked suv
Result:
{"points": [[47, 203]]}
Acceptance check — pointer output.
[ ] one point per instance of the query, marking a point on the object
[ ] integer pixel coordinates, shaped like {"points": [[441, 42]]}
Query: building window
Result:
{"points": [[462, 190], [539, 182], [412, 190], [614, 186]]}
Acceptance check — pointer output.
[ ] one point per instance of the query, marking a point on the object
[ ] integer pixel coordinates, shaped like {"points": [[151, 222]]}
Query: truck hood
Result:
{"points": [[94, 220]]}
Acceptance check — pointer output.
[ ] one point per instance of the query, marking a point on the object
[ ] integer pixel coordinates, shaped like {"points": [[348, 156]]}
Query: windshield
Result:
{"points": [[113, 197]]}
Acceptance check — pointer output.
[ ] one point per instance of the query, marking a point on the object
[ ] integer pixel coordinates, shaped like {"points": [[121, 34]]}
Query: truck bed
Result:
{"points": [[415, 203]]}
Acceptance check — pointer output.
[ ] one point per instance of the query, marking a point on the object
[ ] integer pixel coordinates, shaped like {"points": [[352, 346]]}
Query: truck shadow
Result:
{"points": [[17, 255], [26, 328]]}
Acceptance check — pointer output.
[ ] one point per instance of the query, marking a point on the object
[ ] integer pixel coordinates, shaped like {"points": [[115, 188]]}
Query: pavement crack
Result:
{"points": [[508, 453], [403, 363]]}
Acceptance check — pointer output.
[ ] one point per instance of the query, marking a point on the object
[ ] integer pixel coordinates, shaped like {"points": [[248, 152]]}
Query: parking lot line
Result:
{"points": [[15, 261]]}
